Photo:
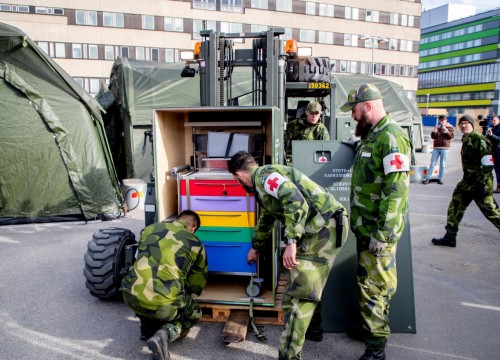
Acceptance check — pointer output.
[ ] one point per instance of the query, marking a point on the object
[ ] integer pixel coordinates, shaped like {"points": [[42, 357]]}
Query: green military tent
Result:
{"points": [[55, 162]]}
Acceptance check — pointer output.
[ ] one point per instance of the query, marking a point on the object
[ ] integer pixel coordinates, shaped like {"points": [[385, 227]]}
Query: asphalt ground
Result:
{"points": [[46, 313]]}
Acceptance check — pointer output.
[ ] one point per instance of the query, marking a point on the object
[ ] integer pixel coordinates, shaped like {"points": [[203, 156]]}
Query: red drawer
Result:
{"points": [[212, 188]]}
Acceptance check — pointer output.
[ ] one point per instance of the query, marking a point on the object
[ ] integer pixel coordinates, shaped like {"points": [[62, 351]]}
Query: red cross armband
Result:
{"points": [[487, 160], [273, 183], [396, 162]]}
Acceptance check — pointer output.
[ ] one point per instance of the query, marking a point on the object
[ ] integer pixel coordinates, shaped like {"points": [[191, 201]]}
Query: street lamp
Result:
{"points": [[427, 112], [374, 39]]}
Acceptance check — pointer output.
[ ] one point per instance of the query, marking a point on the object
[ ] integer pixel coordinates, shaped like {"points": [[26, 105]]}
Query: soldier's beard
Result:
{"points": [[362, 128], [247, 188]]}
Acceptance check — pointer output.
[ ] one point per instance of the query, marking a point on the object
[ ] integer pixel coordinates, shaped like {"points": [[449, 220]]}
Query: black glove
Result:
{"points": [[352, 142]]}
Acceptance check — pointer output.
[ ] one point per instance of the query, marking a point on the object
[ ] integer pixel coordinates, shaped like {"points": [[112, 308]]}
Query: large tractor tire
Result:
{"points": [[105, 262]]}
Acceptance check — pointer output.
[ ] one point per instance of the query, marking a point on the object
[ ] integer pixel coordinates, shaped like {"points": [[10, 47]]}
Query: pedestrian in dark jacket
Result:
{"points": [[442, 135], [493, 136]]}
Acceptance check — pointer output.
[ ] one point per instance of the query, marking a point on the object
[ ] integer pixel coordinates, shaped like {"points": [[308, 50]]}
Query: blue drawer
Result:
{"points": [[229, 257]]}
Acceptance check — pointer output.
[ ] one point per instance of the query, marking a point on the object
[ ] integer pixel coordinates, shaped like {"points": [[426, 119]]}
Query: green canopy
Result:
{"points": [[55, 162]]}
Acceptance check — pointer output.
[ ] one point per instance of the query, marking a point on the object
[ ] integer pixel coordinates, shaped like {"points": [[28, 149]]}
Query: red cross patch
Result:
{"points": [[396, 162], [273, 183]]}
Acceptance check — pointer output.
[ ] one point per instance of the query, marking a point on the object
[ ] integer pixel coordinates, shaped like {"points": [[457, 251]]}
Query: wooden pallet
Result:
{"points": [[263, 315]]}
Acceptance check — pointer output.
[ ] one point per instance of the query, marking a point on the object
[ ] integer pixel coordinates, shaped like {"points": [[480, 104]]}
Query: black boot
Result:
{"points": [[373, 355], [446, 240], [315, 330], [158, 344]]}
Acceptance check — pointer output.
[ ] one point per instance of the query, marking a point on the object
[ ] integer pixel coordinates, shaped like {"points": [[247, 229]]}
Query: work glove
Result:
{"points": [[352, 142], [376, 246]]}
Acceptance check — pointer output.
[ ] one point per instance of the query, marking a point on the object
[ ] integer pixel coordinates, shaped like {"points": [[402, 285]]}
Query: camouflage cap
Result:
{"points": [[314, 106], [364, 92], [467, 118]]}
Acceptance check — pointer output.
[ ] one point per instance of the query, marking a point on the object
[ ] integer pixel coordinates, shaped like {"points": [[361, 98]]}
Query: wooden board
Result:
{"points": [[236, 327]]}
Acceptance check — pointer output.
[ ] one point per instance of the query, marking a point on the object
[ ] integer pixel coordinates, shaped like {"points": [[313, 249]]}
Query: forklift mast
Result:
{"points": [[280, 78]]}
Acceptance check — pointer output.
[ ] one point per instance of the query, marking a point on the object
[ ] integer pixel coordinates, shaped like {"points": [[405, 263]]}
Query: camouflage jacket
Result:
{"points": [[300, 129], [171, 264], [287, 195], [380, 183], [477, 160]]}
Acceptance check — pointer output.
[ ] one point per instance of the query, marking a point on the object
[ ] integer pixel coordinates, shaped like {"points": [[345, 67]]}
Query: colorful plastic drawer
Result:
{"points": [[229, 258], [225, 234], [218, 203], [212, 187], [227, 218]]}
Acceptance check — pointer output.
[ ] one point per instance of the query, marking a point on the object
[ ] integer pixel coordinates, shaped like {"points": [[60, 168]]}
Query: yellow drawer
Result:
{"points": [[227, 218]]}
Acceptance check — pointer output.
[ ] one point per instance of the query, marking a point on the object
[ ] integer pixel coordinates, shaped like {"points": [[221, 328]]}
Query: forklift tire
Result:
{"points": [[105, 262]]}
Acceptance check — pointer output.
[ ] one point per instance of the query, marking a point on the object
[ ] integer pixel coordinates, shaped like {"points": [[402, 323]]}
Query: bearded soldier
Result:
{"points": [[171, 265], [313, 222], [379, 201], [476, 184]]}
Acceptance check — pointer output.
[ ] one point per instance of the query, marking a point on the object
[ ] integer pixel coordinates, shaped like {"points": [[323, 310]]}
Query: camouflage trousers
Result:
{"points": [[462, 197], [175, 320], [315, 256], [377, 282]]}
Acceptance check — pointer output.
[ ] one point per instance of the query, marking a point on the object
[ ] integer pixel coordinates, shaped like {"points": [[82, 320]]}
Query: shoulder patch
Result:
{"points": [[396, 162], [487, 160], [273, 183]]}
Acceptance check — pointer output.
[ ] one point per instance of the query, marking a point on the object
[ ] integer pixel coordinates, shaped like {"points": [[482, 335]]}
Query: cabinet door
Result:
{"points": [[218, 203], [230, 257]]}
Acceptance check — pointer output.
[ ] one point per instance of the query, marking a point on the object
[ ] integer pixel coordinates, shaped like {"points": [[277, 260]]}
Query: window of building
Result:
{"points": [[79, 81], [44, 10], [25, 9], [155, 54], [350, 40], [139, 53], [325, 37], [86, 17], [231, 5], [259, 4], [411, 21], [404, 20], [394, 19], [113, 19], [284, 5], [402, 70], [353, 67], [306, 35], [124, 51], [351, 13], [204, 4], [258, 28], [383, 69], [44, 46], [343, 66], [310, 8], [172, 55], [148, 22], [372, 15], [94, 86], [199, 25], [93, 51], [393, 70], [60, 50], [174, 24], [411, 71], [77, 51], [393, 44], [109, 53], [326, 10], [287, 35]]}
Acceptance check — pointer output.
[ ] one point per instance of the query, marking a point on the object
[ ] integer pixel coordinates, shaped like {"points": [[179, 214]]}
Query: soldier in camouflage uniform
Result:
{"points": [[309, 128], [309, 214], [476, 184], [170, 266], [379, 201]]}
